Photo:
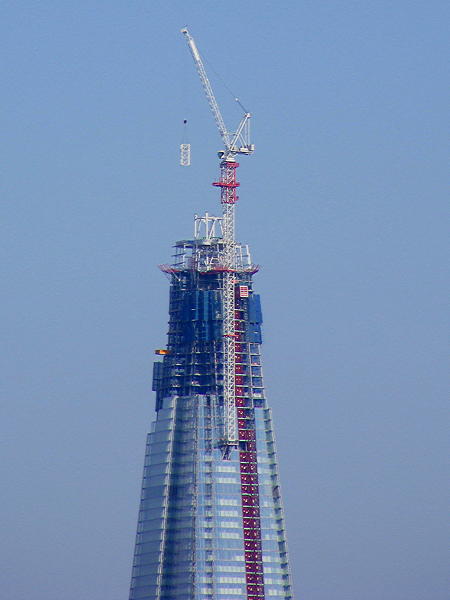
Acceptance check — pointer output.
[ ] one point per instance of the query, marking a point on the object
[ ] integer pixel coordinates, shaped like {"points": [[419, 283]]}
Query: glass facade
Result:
{"points": [[210, 523]]}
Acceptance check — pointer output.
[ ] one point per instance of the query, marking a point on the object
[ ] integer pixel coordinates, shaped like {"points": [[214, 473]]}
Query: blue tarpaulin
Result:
{"points": [[201, 315], [254, 319]]}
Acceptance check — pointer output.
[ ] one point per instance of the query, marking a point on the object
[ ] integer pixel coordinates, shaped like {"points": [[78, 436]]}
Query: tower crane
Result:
{"points": [[235, 143]]}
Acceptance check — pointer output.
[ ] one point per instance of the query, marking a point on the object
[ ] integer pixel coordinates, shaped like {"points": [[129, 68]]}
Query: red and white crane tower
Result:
{"points": [[235, 143]]}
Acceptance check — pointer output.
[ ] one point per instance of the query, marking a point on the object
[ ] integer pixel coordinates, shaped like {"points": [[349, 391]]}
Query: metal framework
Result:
{"points": [[205, 227], [237, 142], [228, 199]]}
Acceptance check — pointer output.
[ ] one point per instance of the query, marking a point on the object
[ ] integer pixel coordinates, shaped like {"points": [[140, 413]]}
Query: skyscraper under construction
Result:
{"points": [[211, 523]]}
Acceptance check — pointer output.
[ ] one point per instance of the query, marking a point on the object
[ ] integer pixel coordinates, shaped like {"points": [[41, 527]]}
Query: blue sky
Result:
{"points": [[343, 205]]}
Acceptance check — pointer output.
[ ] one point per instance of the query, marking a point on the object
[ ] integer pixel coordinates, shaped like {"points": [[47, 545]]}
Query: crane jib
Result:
{"points": [[237, 142]]}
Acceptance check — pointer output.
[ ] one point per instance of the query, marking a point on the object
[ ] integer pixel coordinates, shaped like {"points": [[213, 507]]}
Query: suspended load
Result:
{"points": [[185, 155], [185, 149]]}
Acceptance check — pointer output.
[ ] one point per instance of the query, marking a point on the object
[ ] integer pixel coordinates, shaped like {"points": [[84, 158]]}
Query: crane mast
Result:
{"points": [[237, 142]]}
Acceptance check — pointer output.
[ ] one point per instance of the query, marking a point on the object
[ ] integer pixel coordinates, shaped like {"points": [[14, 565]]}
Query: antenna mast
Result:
{"points": [[235, 143]]}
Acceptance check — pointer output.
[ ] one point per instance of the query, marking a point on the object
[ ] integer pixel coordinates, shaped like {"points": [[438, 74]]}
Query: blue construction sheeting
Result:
{"points": [[201, 316], [157, 375], [255, 319], [254, 309]]}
